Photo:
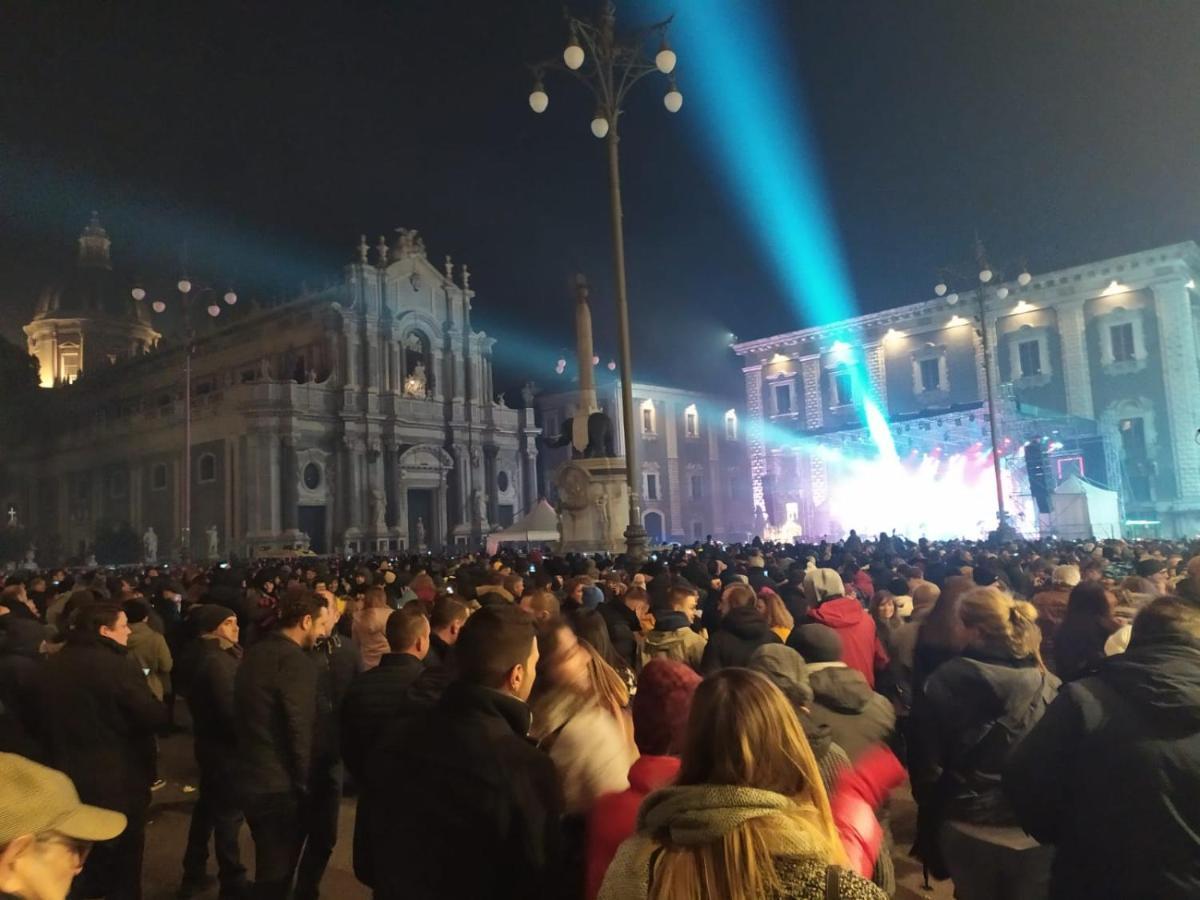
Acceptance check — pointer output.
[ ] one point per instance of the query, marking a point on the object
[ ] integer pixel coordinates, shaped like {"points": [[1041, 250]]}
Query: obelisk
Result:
{"points": [[583, 354]]}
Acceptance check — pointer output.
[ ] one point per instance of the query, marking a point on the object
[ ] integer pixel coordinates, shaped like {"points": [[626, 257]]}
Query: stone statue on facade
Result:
{"points": [[378, 507], [481, 507], [414, 384], [214, 542], [30, 564], [420, 529], [264, 369], [602, 509], [150, 545], [527, 395]]}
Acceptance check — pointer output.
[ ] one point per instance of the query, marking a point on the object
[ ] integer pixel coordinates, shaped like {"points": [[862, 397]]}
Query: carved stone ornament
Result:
{"points": [[573, 488]]}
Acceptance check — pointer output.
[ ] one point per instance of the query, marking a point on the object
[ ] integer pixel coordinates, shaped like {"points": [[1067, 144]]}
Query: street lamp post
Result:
{"points": [[186, 292], [609, 67], [988, 278]]}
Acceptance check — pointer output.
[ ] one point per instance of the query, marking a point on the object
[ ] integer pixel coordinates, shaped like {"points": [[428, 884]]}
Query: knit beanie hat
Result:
{"points": [[821, 585], [592, 596], [661, 706], [817, 643], [207, 617], [786, 668]]}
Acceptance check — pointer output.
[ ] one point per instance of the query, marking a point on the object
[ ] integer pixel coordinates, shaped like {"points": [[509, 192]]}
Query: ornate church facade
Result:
{"points": [[357, 418]]}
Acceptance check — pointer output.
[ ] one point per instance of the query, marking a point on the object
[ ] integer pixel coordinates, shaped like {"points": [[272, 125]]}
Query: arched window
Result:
{"points": [[416, 362]]}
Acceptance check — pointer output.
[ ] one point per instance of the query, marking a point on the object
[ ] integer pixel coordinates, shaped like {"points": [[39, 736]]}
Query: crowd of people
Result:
{"points": [[720, 721]]}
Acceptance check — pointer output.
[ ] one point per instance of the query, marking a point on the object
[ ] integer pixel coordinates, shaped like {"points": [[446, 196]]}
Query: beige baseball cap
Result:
{"points": [[35, 799]]}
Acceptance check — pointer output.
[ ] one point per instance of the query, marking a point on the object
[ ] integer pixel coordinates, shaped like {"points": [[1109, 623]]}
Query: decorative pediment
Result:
{"points": [[425, 456]]}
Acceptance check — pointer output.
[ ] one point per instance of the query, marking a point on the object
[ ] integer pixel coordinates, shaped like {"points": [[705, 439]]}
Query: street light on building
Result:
{"points": [[609, 67], [188, 292], [990, 283]]}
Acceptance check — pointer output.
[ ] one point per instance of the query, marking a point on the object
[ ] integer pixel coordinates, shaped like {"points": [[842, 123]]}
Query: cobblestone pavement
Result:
{"points": [[166, 837]]}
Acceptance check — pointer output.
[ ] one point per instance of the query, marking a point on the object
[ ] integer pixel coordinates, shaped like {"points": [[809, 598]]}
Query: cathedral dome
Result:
{"points": [[91, 289]]}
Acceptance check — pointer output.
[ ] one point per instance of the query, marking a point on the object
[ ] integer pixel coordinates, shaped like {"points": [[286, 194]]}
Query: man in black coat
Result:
{"points": [[206, 675], [464, 805], [445, 622], [100, 719], [741, 631], [375, 700], [275, 700], [338, 662], [1111, 773]]}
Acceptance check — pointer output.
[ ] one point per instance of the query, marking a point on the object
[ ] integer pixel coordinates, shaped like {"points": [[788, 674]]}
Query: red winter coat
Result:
{"points": [[614, 816], [858, 793], [861, 648]]}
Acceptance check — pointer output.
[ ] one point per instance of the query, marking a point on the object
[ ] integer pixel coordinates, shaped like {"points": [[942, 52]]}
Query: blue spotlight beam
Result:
{"points": [[753, 122]]}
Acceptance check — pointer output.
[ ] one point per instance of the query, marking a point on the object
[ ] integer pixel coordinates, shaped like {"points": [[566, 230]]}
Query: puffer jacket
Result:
{"points": [[673, 638], [742, 631], [861, 648], [858, 718], [1111, 777]]}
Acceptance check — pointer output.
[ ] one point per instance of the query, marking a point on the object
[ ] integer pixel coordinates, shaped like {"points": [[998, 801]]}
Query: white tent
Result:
{"points": [[540, 526], [1081, 509]]}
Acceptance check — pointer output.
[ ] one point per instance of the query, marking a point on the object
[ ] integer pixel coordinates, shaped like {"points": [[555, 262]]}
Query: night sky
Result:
{"points": [[266, 137]]}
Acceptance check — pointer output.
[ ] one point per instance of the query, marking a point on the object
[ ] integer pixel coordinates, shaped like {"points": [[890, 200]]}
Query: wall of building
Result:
{"points": [[1069, 313]]}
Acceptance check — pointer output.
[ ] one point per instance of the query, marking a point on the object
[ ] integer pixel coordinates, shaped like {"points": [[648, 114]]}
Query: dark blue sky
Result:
{"points": [[267, 136]]}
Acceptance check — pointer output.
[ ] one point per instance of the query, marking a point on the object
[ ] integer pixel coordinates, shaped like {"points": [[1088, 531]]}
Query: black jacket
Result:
{"points": [[338, 661], [1111, 776], [439, 651], [742, 631], [375, 697], [623, 624], [858, 717], [99, 719], [275, 699], [464, 805], [210, 672], [974, 710]]}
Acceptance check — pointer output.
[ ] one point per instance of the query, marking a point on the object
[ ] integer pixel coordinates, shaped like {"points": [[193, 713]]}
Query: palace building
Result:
{"points": [[357, 418], [1094, 367]]}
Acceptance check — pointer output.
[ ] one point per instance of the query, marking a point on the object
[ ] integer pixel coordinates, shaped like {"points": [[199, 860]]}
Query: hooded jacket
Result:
{"points": [[701, 814], [742, 631], [673, 638], [1111, 776], [858, 718], [614, 817], [861, 648]]}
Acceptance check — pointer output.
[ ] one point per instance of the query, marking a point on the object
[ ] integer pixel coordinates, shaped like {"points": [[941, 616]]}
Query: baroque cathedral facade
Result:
{"points": [[358, 418]]}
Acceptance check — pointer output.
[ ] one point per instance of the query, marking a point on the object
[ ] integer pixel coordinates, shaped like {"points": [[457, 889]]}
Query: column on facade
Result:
{"points": [[441, 528], [354, 481], [231, 497], [1072, 332], [674, 485], [375, 486], [814, 406], [716, 490], [438, 372], [350, 353], [457, 374], [756, 427], [401, 507], [289, 492], [529, 478], [877, 372], [395, 381], [1181, 382], [135, 500]]}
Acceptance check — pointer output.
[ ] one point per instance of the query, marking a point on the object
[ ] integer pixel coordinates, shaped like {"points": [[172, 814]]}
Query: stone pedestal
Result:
{"points": [[593, 505]]}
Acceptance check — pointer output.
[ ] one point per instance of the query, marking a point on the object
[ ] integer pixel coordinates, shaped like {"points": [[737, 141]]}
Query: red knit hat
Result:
{"points": [[661, 706]]}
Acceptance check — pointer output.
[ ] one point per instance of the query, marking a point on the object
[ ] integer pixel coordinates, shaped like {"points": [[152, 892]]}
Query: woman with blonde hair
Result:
{"points": [[747, 817], [778, 617], [369, 624], [974, 710]]}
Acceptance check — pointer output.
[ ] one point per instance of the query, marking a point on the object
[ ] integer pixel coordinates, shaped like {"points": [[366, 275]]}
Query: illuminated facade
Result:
{"points": [[1111, 345], [87, 320], [357, 418], [691, 450]]}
